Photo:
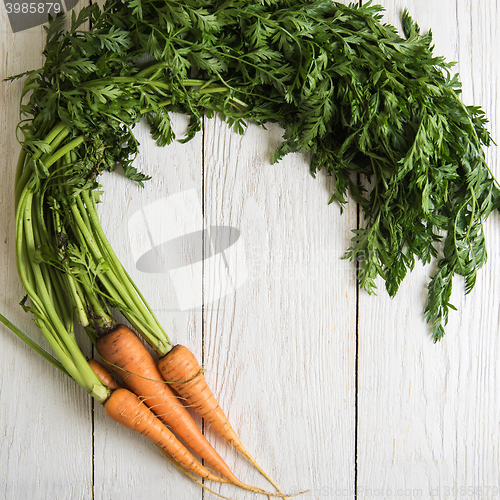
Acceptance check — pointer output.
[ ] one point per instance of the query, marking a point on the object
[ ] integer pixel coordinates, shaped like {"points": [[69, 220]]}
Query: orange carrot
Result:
{"points": [[124, 352], [181, 370], [126, 408], [105, 376]]}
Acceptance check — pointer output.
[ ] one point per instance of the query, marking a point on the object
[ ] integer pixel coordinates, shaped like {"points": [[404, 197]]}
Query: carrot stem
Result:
{"points": [[20, 166], [65, 149], [41, 241], [23, 177], [152, 323], [73, 287], [121, 290], [46, 315], [39, 350]]}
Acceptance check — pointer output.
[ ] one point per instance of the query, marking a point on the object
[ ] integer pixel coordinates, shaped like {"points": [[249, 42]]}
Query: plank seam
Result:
{"points": [[203, 146], [356, 353]]}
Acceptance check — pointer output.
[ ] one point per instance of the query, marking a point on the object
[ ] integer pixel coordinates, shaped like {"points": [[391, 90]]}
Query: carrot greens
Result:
{"points": [[369, 106]]}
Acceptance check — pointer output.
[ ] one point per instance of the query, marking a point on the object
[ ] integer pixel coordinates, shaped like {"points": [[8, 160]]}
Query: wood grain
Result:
{"points": [[428, 414], [280, 350], [45, 419], [333, 391]]}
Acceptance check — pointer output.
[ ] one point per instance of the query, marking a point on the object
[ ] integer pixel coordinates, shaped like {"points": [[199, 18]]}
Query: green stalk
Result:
{"points": [[60, 298], [160, 105], [64, 150], [74, 290], [153, 69], [77, 295], [39, 350], [113, 294], [42, 282], [139, 79], [52, 286], [71, 284], [61, 341], [123, 276], [53, 138], [87, 238], [110, 295], [23, 180], [20, 165], [116, 281], [113, 258], [50, 275], [211, 90], [83, 211], [100, 316], [26, 277], [39, 308]]}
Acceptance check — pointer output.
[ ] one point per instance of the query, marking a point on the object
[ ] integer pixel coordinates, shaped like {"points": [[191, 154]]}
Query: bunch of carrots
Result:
{"points": [[69, 270]]}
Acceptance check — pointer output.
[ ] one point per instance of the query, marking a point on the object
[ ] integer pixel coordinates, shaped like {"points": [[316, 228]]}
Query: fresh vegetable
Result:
{"points": [[66, 264], [128, 409], [105, 376], [45, 291], [181, 370], [378, 111], [123, 351], [76, 271], [348, 90]]}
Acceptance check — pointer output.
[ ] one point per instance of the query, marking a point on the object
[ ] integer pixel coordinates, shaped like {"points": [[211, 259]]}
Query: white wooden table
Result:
{"points": [[334, 391]]}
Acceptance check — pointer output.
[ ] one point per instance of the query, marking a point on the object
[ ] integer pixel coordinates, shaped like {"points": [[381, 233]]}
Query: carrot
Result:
{"points": [[105, 376], [181, 370], [127, 409], [124, 352]]}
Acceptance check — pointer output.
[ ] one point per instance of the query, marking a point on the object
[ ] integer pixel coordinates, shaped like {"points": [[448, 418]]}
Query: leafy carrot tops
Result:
{"points": [[363, 102]]}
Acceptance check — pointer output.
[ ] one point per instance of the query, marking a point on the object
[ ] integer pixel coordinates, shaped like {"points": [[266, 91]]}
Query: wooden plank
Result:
{"points": [[428, 414], [45, 419], [156, 234], [279, 346]]}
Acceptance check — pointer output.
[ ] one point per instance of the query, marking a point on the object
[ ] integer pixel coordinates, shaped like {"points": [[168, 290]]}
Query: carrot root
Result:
{"points": [[105, 376], [127, 409], [205, 487], [192, 476], [182, 371], [127, 356], [124, 407]]}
